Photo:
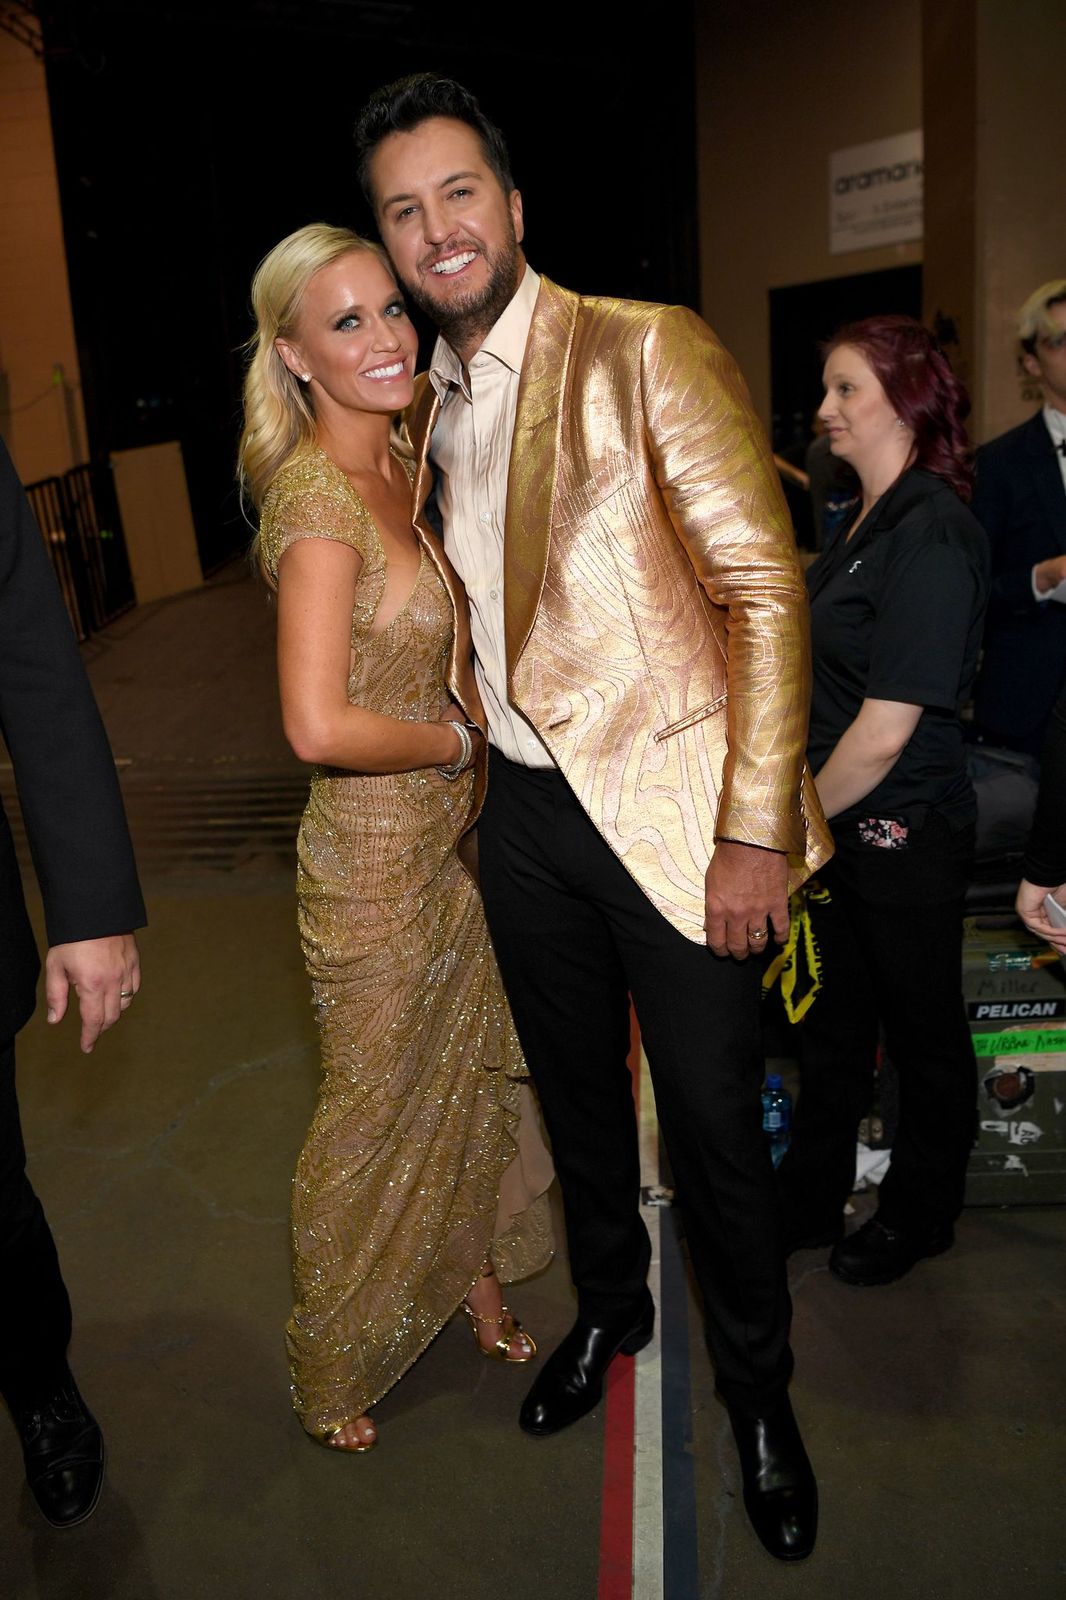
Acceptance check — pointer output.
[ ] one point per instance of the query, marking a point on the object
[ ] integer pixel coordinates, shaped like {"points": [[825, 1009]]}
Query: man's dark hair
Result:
{"points": [[401, 106]]}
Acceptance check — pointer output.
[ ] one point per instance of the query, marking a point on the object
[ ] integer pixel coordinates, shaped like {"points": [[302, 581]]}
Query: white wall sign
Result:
{"points": [[875, 193]]}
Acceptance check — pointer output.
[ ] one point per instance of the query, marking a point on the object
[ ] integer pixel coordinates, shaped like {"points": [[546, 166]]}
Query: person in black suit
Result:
{"points": [[1020, 500], [81, 851]]}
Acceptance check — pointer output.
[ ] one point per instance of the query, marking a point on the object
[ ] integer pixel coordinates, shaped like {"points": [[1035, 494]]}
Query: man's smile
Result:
{"points": [[447, 267]]}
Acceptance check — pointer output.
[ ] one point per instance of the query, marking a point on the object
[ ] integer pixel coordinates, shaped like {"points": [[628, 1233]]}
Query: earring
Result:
{"points": [[900, 422], [305, 377]]}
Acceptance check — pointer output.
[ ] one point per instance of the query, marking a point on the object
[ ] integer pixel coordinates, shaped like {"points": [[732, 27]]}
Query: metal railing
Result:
{"points": [[79, 520]]}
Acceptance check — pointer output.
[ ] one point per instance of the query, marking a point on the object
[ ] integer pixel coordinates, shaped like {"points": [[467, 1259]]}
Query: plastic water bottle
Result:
{"points": [[776, 1115]]}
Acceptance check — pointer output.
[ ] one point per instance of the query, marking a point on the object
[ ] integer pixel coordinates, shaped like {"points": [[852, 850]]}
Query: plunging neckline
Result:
{"points": [[371, 521]]}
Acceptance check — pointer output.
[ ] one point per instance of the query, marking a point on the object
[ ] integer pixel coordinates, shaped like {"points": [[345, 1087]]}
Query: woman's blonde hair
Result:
{"points": [[279, 417]]}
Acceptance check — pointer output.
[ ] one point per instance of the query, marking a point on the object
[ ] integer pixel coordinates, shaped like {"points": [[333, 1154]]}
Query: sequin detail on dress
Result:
{"points": [[395, 1194]]}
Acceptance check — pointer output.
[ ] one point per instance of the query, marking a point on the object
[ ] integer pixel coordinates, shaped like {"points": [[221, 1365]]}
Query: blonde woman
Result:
{"points": [[397, 1213]]}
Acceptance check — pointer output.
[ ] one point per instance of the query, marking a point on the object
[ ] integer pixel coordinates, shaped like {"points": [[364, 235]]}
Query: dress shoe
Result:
{"points": [[780, 1494], [571, 1381], [876, 1253], [63, 1449]]}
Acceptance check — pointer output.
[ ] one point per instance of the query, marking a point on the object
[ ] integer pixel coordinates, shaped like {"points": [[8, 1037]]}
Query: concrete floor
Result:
{"points": [[933, 1409]]}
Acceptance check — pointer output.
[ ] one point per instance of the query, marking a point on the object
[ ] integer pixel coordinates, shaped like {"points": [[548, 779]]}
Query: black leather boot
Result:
{"points": [[780, 1492], [570, 1383]]}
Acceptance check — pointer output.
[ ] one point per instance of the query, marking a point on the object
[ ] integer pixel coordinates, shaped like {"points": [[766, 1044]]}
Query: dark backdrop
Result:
{"points": [[803, 317], [191, 136]]}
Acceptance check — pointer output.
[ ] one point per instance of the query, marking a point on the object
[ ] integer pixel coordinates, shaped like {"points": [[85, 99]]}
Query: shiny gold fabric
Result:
{"points": [[417, 1124], [656, 616]]}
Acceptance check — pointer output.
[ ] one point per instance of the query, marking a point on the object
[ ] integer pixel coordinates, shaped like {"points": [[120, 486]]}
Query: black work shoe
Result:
{"points": [[63, 1449], [570, 1383], [780, 1492], [878, 1254]]}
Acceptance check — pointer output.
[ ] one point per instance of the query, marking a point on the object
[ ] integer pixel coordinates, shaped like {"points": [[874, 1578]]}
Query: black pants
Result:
{"points": [[35, 1325], [891, 946], [574, 937]]}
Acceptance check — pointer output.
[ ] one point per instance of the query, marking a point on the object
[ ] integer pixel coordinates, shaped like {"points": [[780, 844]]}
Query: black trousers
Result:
{"points": [[35, 1326], [891, 946], [575, 937]]}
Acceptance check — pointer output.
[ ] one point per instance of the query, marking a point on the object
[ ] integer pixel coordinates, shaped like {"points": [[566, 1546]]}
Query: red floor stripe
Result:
{"points": [[616, 1516]]}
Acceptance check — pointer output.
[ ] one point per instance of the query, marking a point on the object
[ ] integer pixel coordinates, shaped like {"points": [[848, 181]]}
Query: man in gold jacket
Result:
{"points": [[640, 630]]}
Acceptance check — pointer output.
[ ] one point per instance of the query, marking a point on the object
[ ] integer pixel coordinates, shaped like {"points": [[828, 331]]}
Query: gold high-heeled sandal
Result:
{"points": [[501, 1347], [352, 1449]]}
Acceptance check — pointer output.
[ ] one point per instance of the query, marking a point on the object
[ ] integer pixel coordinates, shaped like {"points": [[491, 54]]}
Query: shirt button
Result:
{"points": [[494, 594], [486, 516]]}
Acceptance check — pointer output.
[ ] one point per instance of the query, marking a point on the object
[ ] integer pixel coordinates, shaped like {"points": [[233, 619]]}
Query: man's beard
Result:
{"points": [[465, 320]]}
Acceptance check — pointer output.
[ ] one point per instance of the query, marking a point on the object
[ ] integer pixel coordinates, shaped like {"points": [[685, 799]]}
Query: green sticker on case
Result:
{"points": [[1020, 1041]]}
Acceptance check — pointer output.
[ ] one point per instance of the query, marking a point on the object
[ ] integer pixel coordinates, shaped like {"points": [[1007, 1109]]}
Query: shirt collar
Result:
{"points": [[1055, 422], [506, 340]]}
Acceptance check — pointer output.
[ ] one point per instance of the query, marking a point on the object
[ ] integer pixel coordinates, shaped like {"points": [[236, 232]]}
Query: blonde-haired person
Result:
{"points": [[1020, 500], [1037, 318], [397, 1214]]}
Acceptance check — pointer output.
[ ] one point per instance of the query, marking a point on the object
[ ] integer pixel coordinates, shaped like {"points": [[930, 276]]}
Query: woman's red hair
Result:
{"points": [[921, 388]]}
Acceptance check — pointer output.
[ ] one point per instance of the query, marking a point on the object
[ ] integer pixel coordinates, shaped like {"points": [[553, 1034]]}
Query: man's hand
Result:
{"points": [[747, 899], [1030, 907], [1047, 575], [105, 975]]}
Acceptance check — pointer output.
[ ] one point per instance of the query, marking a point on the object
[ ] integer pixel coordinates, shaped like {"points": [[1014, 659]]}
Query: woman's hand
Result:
{"points": [[456, 713]]}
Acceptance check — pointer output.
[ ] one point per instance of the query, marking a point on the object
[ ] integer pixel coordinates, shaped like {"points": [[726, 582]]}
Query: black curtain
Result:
{"points": [[191, 136]]}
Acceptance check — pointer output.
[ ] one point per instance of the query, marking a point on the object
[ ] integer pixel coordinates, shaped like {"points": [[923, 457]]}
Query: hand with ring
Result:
{"points": [[104, 973], [746, 895]]}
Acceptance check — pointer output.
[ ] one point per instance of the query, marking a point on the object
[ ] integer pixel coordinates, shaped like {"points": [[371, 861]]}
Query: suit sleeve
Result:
{"points": [[63, 766], [724, 500]]}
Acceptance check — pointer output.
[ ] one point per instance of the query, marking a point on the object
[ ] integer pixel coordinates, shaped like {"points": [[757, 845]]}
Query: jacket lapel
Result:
{"points": [[534, 462], [421, 416], [1047, 476]]}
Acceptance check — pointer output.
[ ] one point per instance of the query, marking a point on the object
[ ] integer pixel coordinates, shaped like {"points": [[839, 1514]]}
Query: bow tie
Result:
{"points": [[1061, 447]]}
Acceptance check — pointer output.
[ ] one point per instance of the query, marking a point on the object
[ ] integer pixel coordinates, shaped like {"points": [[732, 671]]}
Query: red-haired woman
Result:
{"points": [[897, 602]]}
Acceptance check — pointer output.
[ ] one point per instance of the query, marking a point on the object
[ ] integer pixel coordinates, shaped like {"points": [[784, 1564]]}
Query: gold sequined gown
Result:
{"points": [[395, 1198]]}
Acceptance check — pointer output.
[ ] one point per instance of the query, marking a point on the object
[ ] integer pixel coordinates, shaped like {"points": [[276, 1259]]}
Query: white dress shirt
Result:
{"points": [[471, 450]]}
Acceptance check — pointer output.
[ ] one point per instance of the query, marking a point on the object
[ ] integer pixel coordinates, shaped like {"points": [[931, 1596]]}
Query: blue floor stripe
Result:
{"points": [[680, 1545]]}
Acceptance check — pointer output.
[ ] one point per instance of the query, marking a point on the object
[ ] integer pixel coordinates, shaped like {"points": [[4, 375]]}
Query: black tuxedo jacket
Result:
{"points": [[1020, 500], [63, 767]]}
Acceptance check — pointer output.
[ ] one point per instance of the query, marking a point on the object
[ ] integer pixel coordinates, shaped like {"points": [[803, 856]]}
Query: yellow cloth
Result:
{"points": [[800, 960]]}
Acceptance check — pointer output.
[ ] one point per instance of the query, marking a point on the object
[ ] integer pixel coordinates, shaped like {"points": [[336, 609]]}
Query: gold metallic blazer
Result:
{"points": [[655, 613]]}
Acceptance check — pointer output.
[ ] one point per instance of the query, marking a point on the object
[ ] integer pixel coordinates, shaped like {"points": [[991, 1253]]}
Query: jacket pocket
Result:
{"points": [[688, 721]]}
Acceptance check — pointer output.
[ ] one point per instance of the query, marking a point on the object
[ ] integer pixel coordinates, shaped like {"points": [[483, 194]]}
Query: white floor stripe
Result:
{"points": [[648, 1464]]}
